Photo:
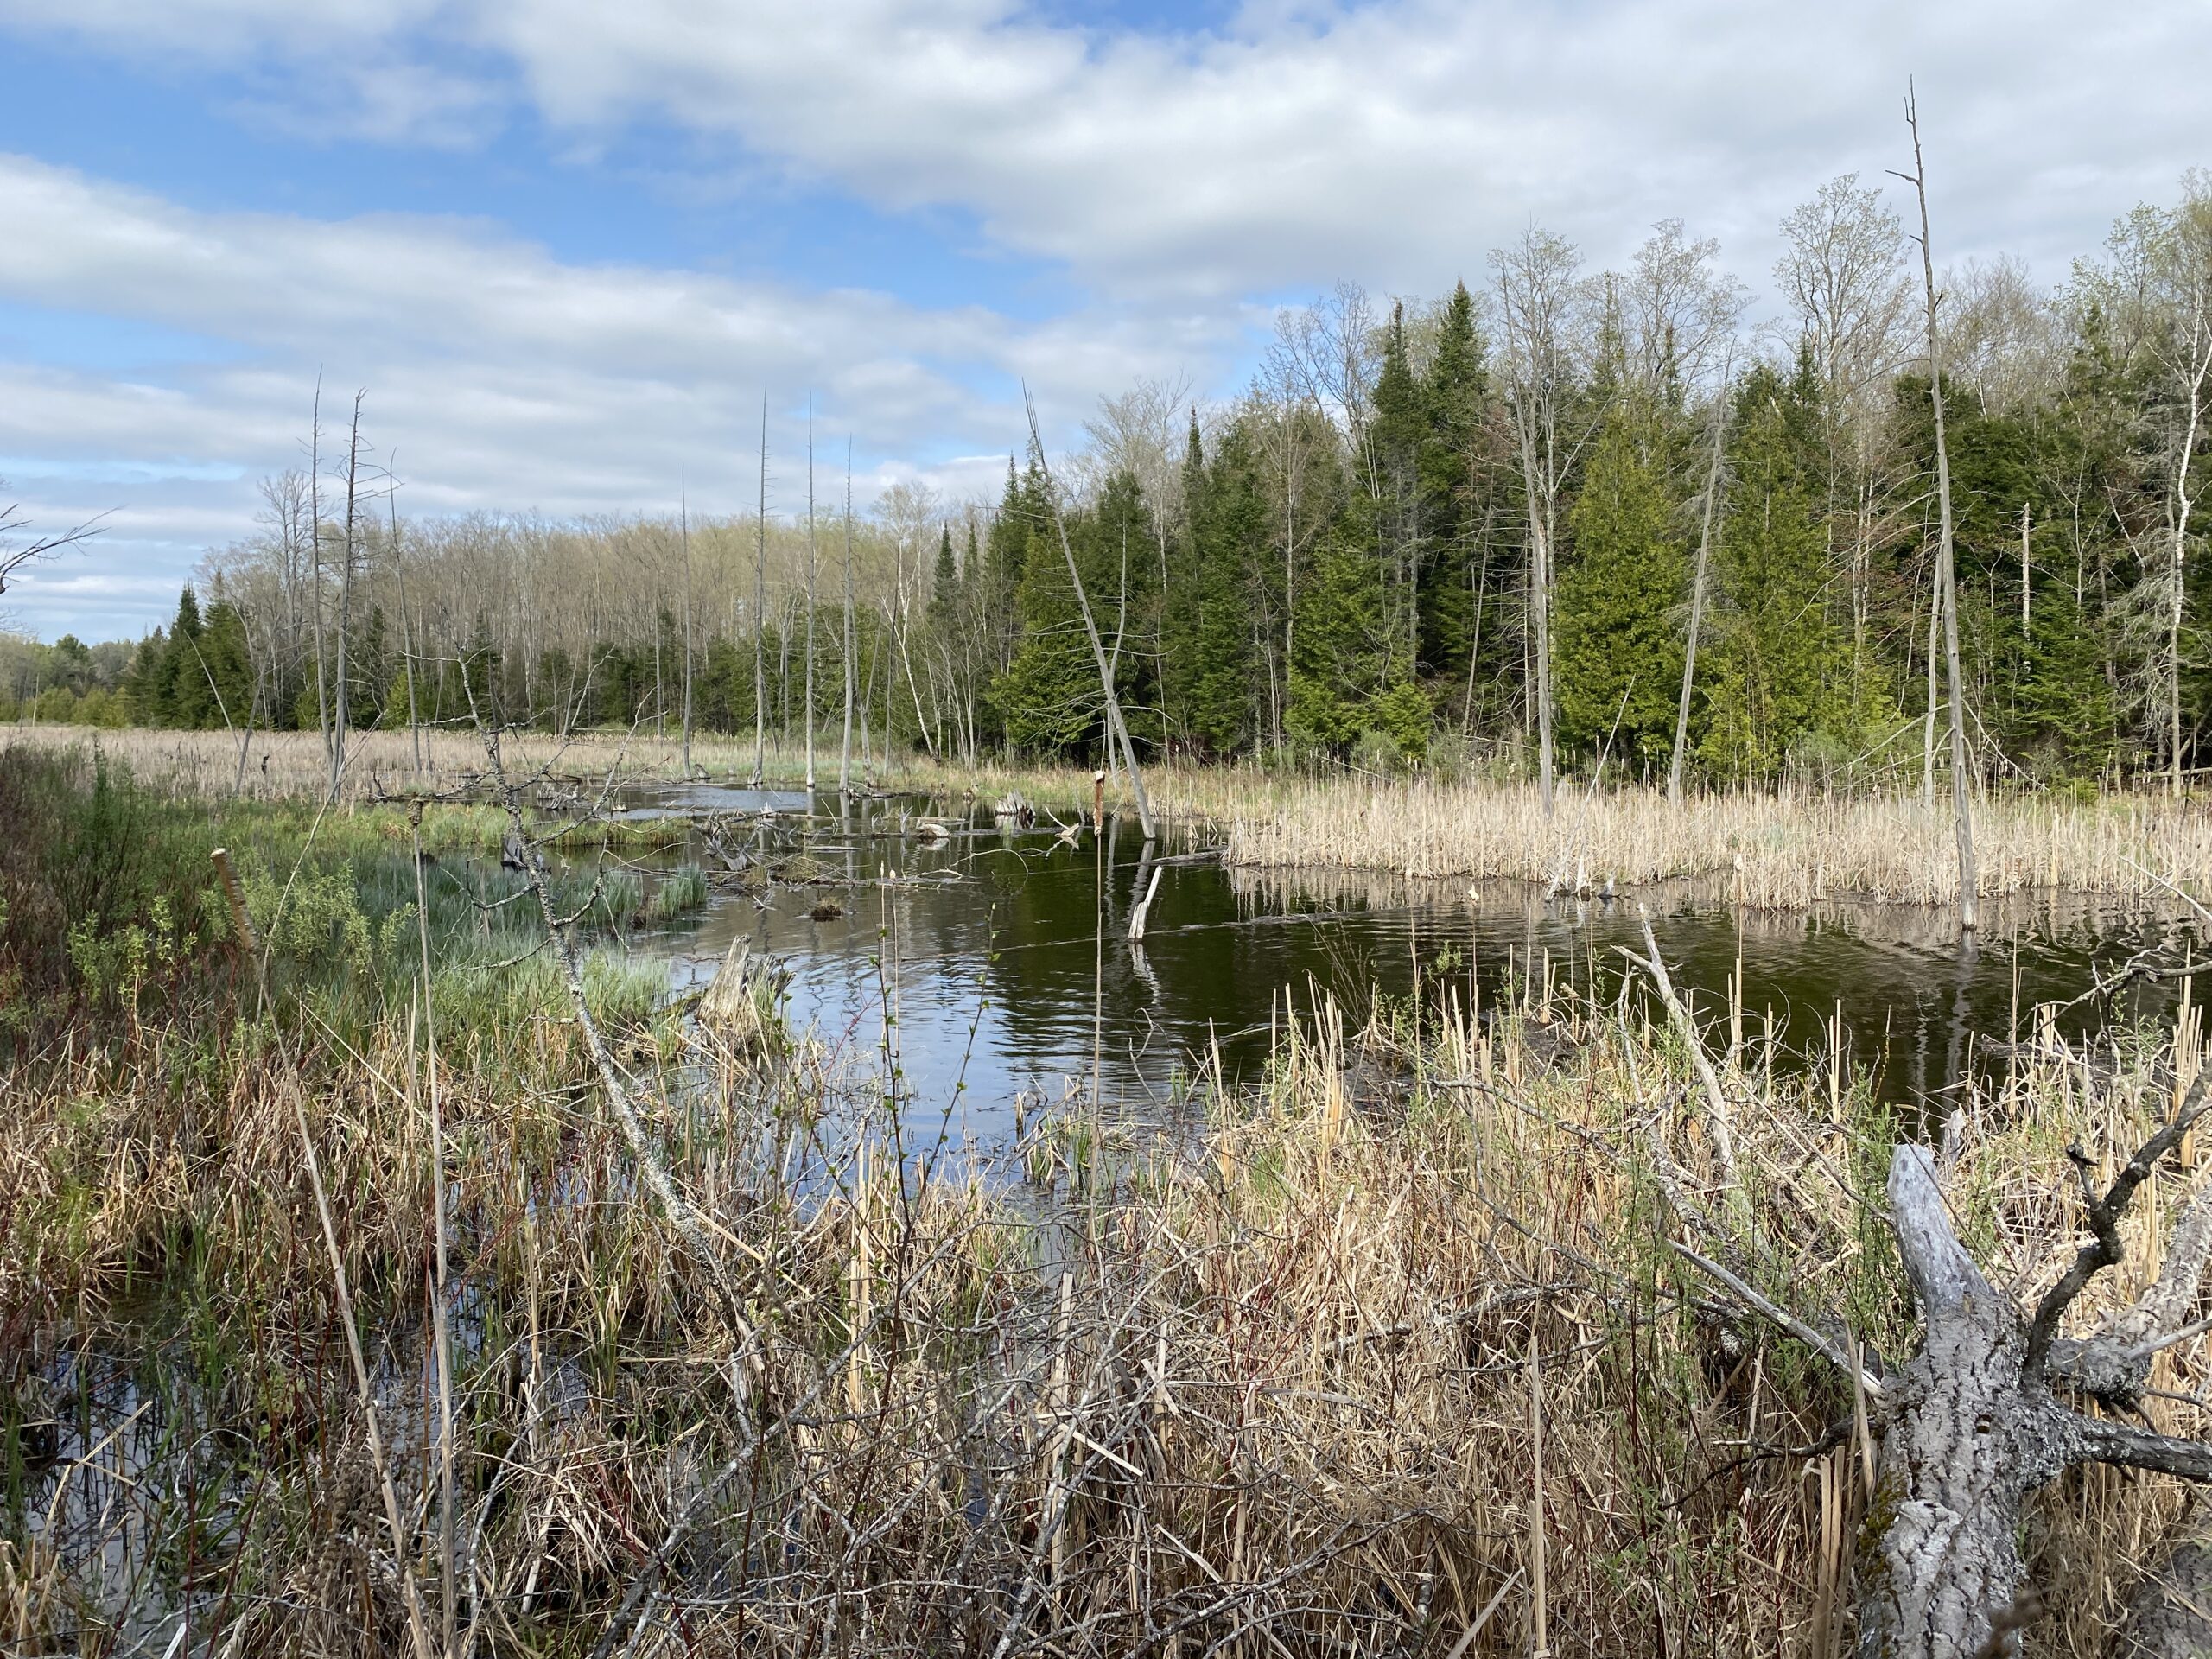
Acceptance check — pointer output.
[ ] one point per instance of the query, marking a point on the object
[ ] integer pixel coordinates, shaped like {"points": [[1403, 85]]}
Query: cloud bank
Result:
{"points": [[1173, 185]]}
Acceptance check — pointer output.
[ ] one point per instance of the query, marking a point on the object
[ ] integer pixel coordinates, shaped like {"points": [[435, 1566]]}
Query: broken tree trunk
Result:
{"points": [[1972, 1424], [1964, 1445], [1979, 1418]]}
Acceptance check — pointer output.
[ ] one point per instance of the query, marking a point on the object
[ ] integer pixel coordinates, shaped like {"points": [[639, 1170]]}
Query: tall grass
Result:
{"points": [[1773, 850], [1784, 849], [1259, 1377]]}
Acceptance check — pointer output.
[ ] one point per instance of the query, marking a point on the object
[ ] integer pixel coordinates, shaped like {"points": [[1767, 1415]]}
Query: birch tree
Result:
{"points": [[1542, 305]]}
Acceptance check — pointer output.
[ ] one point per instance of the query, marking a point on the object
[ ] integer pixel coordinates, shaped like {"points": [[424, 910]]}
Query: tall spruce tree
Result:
{"points": [[1396, 437], [1619, 646], [1769, 688], [1452, 401], [1227, 533], [1341, 663]]}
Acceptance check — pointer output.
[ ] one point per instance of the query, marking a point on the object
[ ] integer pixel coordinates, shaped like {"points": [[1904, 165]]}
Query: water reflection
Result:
{"points": [[1006, 954]]}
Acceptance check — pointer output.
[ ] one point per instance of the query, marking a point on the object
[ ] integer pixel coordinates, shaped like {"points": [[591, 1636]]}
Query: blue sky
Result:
{"points": [[564, 245]]}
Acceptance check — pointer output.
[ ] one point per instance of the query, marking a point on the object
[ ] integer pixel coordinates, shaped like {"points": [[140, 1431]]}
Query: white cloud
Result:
{"points": [[505, 379], [1396, 141], [1177, 179]]}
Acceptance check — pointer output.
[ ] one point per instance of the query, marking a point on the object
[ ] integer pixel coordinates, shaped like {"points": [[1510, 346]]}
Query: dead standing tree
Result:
{"points": [[760, 605], [1117, 727], [1947, 587], [1697, 587], [1541, 304]]}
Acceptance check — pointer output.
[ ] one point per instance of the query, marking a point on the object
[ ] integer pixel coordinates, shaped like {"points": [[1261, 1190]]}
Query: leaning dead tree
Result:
{"points": [[1118, 729], [1993, 1405], [1697, 588]]}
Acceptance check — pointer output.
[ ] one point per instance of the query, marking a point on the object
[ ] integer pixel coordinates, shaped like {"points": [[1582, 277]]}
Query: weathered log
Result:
{"points": [[1971, 1426], [1963, 1446], [2170, 1615]]}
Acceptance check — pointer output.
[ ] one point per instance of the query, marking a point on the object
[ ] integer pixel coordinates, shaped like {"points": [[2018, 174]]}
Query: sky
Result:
{"points": [[564, 248]]}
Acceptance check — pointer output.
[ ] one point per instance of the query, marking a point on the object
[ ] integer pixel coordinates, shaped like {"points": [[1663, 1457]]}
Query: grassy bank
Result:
{"points": [[1770, 850], [1774, 851], [1262, 1377], [112, 917]]}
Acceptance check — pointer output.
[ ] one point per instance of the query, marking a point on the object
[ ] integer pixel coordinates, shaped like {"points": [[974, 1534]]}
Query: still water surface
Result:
{"points": [[1007, 953]]}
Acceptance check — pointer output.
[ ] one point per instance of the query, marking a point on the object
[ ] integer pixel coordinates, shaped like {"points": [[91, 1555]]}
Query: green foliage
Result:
{"points": [[1403, 714], [1774, 648], [1453, 400], [681, 892], [1049, 700], [105, 896], [1618, 650], [1206, 636], [1341, 661], [1360, 529]]}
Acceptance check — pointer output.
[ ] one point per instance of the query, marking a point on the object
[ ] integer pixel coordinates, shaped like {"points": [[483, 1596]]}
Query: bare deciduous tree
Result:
{"points": [[20, 546], [1946, 585], [1542, 304], [1680, 312], [2155, 287]]}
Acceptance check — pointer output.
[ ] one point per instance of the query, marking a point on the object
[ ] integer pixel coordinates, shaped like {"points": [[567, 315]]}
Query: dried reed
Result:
{"points": [[1773, 849], [1258, 1380]]}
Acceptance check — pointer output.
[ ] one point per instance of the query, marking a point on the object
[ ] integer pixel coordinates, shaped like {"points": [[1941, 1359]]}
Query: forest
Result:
{"points": [[1614, 503], [467, 1191]]}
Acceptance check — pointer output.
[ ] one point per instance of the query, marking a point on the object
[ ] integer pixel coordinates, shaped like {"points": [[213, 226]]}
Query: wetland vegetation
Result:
{"points": [[1535, 1133], [1434, 1314]]}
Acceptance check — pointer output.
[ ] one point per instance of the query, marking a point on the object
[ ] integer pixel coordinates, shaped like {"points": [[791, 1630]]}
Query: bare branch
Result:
{"points": [[15, 555], [2101, 1439], [1796, 1326], [1723, 1123], [2104, 1250]]}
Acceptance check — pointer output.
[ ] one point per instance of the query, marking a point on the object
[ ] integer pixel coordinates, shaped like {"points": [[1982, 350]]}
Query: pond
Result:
{"points": [[1006, 954]]}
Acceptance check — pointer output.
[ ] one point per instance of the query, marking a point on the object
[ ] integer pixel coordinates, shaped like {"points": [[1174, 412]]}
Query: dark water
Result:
{"points": [[1006, 957]]}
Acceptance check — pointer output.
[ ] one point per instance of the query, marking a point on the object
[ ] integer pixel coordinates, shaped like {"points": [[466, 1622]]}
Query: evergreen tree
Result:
{"points": [[1774, 646], [145, 683], [1617, 646], [1208, 633], [945, 588], [1453, 399], [182, 698], [226, 666], [1341, 661], [1395, 440], [1048, 701]]}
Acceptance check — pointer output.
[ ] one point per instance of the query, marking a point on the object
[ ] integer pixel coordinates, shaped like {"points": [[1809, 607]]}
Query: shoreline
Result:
{"points": [[1780, 850]]}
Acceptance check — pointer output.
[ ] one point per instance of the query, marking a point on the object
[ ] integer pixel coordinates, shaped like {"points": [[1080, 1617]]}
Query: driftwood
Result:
{"points": [[1980, 1417]]}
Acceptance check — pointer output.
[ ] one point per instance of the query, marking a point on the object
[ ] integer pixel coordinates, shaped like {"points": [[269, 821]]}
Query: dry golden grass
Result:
{"points": [[1261, 1381], [1778, 850], [1775, 850]]}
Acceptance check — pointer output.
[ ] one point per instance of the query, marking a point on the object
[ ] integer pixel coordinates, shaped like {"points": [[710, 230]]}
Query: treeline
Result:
{"points": [[1425, 533]]}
